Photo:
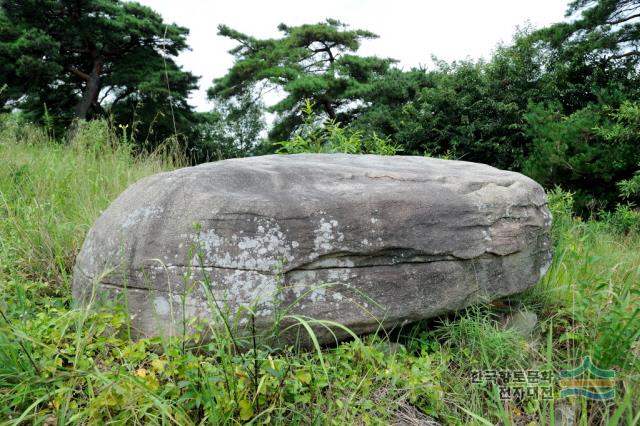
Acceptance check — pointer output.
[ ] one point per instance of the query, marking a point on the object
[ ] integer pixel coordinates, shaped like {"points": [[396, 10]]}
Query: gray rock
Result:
{"points": [[566, 413], [367, 241], [522, 322]]}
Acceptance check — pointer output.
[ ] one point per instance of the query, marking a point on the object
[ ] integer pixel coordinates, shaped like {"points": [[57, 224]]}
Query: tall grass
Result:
{"points": [[60, 365], [51, 193]]}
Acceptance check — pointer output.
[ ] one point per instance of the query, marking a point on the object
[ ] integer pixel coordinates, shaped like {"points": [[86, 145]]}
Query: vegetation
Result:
{"points": [[60, 365], [316, 136], [314, 62], [545, 105], [88, 59], [93, 100], [558, 103]]}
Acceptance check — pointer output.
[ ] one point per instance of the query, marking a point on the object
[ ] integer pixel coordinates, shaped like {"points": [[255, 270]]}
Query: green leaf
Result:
{"points": [[246, 409], [304, 376]]}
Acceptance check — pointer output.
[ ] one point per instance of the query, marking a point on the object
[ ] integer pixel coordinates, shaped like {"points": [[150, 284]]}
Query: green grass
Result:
{"points": [[60, 365]]}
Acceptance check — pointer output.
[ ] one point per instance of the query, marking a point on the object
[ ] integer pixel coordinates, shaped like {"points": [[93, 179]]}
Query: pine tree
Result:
{"points": [[83, 57], [315, 62]]}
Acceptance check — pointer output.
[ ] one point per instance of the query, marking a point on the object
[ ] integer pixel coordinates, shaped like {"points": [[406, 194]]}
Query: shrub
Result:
{"points": [[624, 219], [330, 136]]}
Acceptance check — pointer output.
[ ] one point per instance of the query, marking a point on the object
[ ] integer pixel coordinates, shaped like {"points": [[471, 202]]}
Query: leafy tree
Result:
{"points": [[584, 134], [590, 151], [243, 122], [467, 115], [313, 61], [468, 110], [625, 130], [232, 129], [382, 107], [594, 55], [606, 30], [84, 58], [478, 111]]}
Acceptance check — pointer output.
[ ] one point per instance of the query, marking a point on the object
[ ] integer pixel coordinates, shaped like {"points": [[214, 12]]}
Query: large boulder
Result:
{"points": [[365, 241]]}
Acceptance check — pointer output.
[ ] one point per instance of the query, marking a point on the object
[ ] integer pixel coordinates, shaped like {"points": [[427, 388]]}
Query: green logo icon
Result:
{"points": [[597, 384]]}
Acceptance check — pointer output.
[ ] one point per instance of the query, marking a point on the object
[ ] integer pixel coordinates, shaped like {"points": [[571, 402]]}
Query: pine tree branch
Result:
{"points": [[121, 96], [625, 55], [625, 19], [77, 72]]}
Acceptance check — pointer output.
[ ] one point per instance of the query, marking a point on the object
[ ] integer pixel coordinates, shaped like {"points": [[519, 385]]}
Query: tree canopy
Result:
{"points": [[315, 62], [84, 58], [606, 30]]}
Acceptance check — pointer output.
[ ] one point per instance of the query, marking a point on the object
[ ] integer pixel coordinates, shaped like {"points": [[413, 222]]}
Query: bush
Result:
{"points": [[624, 219], [561, 206], [630, 188], [315, 136], [588, 152]]}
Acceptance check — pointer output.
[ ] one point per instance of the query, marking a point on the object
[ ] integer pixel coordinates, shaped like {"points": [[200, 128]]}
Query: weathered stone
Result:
{"points": [[522, 322], [566, 413], [361, 240]]}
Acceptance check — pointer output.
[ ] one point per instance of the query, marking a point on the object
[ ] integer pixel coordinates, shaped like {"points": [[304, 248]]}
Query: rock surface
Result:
{"points": [[362, 240], [522, 322]]}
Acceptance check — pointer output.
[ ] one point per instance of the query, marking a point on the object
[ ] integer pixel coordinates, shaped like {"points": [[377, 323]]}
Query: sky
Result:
{"points": [[411, 31]]}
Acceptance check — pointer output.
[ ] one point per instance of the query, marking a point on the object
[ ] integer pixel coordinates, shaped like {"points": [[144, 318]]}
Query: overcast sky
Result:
{"points": [[410, 31]]}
